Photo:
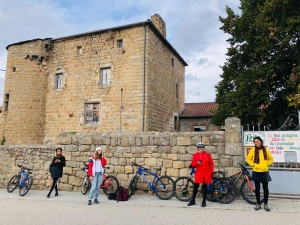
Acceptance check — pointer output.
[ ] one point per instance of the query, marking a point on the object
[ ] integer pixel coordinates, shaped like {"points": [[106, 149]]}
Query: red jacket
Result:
{"points": [[205, 170], [91, 171]]}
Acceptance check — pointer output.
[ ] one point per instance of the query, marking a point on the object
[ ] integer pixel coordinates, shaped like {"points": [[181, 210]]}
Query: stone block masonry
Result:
{"points": [[171, 151]]}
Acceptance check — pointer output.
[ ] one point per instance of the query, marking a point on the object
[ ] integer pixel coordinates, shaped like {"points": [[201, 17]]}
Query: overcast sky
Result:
{"points": [[192, 29]]}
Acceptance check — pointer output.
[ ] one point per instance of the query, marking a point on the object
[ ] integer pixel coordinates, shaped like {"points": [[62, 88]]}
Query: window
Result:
{"points": [[79, 50], [177, 91], [120, 43], [6, 100], [199, 128], [222, 128], [105, 77], [172, 62], [14, 69], [59, 81], [91, 112], [175, 123]]}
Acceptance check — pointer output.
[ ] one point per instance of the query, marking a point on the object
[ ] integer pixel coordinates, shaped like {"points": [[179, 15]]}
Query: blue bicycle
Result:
{"points": [[222, 189], [22, 179], [162, 186]]}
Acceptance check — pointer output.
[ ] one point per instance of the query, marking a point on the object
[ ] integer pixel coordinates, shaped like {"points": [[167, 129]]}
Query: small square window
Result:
{"points": [[91, 112], [6, 101], [59, 81], [14, 69], [79, 50], [120, 43], [105, 77], [199, 128]]}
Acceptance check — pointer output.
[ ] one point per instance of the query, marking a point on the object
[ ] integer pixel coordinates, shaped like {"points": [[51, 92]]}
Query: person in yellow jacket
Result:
{"points": [[260, 159]]}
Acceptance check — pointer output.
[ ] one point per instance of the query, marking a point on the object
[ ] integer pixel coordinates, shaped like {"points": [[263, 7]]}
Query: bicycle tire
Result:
{"points": [[226, 190], [13, 183], [112, 183], [184, 187], [247, 193], [26, 187], [132, 186], [164, 187], [85, 185]]}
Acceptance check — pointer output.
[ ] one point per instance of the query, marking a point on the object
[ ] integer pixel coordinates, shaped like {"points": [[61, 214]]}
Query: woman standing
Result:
{"points": [[58, 162], [96, 164], [204, 165], [260, 159]]}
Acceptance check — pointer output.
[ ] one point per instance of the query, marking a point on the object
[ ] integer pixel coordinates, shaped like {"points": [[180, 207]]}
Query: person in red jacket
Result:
{"points": [[96, 164], [204, 165]]}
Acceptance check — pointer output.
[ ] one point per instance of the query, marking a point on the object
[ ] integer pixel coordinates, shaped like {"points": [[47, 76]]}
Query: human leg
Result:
{"points": [[195, 191], [266, 195], [97, 190], [257, 195], [55, 179], [204, 194]]}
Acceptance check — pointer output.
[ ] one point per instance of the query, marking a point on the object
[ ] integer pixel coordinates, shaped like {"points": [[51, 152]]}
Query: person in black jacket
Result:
{"points": [[57, 165]]}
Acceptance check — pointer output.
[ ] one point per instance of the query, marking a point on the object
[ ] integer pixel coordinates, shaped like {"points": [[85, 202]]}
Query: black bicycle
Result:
{"points": [[222, 189], [162, 186], [110, 183], [22, 179]]}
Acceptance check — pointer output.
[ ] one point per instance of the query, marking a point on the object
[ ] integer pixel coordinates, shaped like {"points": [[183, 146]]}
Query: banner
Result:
{"points": [[283, 145]]}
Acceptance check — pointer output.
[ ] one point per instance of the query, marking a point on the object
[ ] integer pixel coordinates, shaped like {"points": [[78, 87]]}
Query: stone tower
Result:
{"points": [[25, 92], [160, 24]]}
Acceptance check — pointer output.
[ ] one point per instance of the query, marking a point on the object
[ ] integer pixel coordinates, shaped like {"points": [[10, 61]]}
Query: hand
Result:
{"points": [[57, 160], [200, 162], [91, 178]]}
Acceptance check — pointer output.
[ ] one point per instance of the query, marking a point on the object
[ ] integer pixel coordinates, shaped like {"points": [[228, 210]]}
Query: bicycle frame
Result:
{"points": [[151, 186], [23, 177], [235, 177], [105, 183]]}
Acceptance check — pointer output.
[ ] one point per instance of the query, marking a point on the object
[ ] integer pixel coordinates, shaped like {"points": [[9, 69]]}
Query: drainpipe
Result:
{"points": [[144, 71]]}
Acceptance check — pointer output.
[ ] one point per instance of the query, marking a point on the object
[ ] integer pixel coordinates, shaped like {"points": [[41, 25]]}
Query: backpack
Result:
{"points": [[122, 194], [112, 196]]}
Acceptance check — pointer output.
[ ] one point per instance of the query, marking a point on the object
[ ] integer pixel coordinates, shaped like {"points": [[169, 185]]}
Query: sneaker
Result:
{"points": [[48, 196], [257, 207], [89, 202], [56, 194], [96, 201], [203, 204], [266, 207], [192, 202]]}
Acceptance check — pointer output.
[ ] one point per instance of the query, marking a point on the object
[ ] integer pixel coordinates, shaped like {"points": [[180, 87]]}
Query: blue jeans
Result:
{"points": [[95, 189]]}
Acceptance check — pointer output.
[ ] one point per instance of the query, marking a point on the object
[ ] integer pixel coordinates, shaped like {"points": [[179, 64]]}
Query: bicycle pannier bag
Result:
{"points": [[122, 194]]}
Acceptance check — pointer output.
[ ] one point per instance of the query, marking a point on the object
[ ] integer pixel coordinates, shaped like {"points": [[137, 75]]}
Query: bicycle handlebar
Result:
{"points": [[23, 167], [134, 164]]}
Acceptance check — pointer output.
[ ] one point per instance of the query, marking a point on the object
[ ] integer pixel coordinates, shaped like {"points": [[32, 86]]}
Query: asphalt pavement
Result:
{"points": [[71, 208]]}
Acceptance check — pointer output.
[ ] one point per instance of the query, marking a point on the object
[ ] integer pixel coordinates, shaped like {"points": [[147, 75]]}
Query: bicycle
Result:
{"points": [[162, 186], [110, 183], [22, 179], [247, 187], [222, 189]]}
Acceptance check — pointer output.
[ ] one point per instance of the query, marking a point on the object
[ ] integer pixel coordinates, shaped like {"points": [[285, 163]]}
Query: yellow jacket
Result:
{"points": [[263, 164]]}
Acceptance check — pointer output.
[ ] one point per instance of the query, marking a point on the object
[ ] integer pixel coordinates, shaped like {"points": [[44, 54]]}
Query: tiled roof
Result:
{"points": [[201, 109]]}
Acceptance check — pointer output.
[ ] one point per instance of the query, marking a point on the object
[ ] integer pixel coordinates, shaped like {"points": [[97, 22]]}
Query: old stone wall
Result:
{"points": [[170, 151]]}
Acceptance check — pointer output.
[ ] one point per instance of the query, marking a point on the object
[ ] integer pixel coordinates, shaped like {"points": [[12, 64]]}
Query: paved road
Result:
{"points": [[72, 208]]}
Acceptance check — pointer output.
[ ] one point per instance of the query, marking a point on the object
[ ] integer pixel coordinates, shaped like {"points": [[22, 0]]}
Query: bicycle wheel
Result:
{"points": [[111, 184], [218, 174], [85, 185], [26, 186], [132, 185], [225, 191], [184, 187], [210, 193], [164, 187], [13, 183], [248, 194]]}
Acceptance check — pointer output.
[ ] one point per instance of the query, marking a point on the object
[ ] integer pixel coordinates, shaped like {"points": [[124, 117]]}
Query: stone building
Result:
{"points": [[196, 117], [126, 78]]}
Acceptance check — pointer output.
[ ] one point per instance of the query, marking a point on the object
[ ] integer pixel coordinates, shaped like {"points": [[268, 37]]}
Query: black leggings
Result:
{"points": [[54, 184], [257, 191], [203, 190]]}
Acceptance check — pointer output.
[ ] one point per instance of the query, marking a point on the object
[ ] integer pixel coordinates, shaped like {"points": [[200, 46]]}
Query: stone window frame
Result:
{"points": [[59, 78], [202, 128], [63, 74], [5, 105], [79, 50], [93, 112], [120, 43], [102, 67]]}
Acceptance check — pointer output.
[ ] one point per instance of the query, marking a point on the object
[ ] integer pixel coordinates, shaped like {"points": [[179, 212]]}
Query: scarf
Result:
{"points": [[256, 154]]}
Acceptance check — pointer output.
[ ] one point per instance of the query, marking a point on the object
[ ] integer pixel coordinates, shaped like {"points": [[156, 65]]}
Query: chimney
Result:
{"points": [[160, 24]]}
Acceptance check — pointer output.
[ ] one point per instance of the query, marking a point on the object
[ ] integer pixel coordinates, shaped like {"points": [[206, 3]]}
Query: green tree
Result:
{"points": [[264, 51]]}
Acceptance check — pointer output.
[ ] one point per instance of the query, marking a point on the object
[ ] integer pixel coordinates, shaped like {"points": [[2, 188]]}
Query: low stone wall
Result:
{"points": [[170, 151]]}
